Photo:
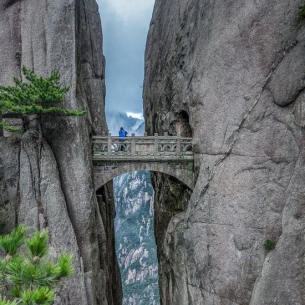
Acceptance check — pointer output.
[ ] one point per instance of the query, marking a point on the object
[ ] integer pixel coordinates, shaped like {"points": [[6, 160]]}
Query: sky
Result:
{"points": [[125, 25]]}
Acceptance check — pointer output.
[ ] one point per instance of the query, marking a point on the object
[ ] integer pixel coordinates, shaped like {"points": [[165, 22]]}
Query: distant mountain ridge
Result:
{"points": [[115, 120], [134, 238]]}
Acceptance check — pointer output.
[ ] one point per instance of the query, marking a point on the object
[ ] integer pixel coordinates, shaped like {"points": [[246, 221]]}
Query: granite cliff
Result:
{"points": [[231, 75], [53, 187]]}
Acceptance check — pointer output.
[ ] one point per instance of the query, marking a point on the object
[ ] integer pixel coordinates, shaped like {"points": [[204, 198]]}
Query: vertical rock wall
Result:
{"points": [[235, 70], [53, 187]]}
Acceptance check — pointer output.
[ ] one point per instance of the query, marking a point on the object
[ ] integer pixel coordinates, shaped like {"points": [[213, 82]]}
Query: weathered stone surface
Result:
{"points": [[106, 217], [54, 187], [236, 69], [42, 204], [288, 78], [181, 171], [9, 177]]}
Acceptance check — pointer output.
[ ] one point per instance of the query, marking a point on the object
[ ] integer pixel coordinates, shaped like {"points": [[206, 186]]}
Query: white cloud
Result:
{"points": [[135, 115]]}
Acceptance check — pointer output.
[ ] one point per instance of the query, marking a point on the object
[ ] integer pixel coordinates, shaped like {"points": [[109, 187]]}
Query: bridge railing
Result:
{"points": [[107, 147]]}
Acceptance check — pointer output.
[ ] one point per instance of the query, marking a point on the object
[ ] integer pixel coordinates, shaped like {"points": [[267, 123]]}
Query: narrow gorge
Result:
{"points": [[230, 75]]}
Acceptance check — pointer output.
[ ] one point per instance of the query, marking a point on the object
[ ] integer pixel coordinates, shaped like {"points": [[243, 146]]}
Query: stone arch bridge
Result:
{"points": [[170, 155]]}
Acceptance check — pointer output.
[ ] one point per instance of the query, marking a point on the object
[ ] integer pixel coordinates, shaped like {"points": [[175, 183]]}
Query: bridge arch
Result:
{"points": [[183, 172], [114, 156]]}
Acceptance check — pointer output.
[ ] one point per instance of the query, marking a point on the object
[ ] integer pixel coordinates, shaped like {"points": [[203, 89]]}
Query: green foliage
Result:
{"points": [[65, 265], [38, 243], [269, 245], [41, 295], [11, 242], [302, 10], [36, 95], [5, 301], [28, 277], [7, 127]]}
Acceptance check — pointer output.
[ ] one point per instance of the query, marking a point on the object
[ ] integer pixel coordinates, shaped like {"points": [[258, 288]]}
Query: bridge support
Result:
{"points": [[106, 171]]}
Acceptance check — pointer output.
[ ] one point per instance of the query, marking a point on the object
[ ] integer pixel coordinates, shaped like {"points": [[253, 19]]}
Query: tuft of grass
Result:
{"points": [[269, 245]]}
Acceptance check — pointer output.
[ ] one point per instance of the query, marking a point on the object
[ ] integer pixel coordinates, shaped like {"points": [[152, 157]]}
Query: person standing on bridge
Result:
{"points": [[122, 134]]}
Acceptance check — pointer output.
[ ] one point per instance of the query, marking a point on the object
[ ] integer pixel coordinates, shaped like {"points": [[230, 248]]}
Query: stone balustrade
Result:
{"points": [[167, 148]]}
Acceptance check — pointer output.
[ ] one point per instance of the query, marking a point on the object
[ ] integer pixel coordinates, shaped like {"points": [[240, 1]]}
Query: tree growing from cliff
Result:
{"points": [[27, 276], [35, 95]]}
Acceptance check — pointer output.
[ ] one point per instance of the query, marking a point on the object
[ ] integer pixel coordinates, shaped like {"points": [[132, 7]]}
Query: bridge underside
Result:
{"points": [[106, 171]]}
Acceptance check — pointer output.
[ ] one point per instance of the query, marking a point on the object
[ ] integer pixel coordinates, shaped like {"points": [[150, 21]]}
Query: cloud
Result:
{"points": [[125, 26], [135, 115]]}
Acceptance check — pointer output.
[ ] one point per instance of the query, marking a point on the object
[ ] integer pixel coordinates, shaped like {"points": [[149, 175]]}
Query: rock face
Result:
{"points": [[231, 74], [52, 186]]}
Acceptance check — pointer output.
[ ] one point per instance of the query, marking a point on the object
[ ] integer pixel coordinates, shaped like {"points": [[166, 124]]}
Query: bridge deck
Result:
{"points": [[142, 148]]}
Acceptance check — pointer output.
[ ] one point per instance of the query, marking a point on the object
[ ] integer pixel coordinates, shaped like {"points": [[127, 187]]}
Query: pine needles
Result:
{"points": [[27, 276], [38, 243], [10, 243]]}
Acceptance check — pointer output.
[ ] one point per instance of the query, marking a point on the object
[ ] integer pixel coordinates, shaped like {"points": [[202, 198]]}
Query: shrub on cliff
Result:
{"points": [[269, 245], [302, 10], [35, 95], [27, 276]]}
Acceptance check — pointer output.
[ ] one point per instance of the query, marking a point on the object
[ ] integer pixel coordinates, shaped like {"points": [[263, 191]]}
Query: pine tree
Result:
{"points": [[35, 95], [27, 276]]}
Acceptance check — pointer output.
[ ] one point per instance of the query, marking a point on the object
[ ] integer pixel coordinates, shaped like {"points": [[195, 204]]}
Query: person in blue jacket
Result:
{"points": [[122, 134]]}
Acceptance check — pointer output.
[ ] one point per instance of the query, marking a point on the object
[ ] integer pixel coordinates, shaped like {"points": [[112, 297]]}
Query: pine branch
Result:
{"points": [[37, 95], [7, 127], [29, 277], [38, 244]]}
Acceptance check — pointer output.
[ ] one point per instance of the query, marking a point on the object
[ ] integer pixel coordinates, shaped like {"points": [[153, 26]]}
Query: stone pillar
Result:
{"points": [[178, 148], [133, 144], [156, 144], [109, 143]]}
